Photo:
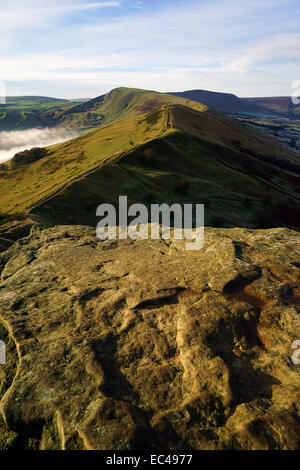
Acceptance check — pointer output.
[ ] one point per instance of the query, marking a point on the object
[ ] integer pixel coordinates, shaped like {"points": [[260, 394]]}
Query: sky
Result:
{"points": [[82, 48]]}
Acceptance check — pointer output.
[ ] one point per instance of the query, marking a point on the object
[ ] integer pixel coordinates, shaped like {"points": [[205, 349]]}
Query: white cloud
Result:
{"points": [[12, 142], [282, 47], [188, 45], [18, 16], [82, 6]]}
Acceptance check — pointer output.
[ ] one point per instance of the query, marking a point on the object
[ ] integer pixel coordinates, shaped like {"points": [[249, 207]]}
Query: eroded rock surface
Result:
{"points": [[144, 345]]}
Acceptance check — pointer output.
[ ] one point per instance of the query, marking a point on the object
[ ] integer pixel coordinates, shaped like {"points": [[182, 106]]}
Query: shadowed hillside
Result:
{"points": [[172, 154], [222, 102], [278, 104]]}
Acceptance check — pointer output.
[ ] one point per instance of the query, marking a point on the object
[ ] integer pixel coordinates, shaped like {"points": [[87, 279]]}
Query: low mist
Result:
{"points": [[12, 142]]}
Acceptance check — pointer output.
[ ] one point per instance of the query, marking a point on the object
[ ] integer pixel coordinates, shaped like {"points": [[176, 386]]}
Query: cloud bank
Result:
{"points": [[12, 142], [85, 48]]}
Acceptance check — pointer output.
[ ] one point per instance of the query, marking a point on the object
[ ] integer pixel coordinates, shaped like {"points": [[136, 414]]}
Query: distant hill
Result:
{"points": [[81, 100], [26, 112], [222, 102], [33, 99], [279, 104], [119, 103], [173, 153]]}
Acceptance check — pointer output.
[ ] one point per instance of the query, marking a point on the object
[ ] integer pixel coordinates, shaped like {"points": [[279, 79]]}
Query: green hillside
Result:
{"points": [[26, 112], [120, 103], [25, 185], [172, 154]]}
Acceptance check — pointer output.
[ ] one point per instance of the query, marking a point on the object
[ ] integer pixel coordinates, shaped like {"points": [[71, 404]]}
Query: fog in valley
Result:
{"points": [[12, 142]]}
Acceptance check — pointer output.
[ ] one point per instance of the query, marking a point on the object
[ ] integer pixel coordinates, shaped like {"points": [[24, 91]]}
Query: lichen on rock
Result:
{"points": [[144, 345]]}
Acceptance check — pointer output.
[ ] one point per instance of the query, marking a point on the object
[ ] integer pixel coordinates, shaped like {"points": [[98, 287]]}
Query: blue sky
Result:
{"points": [[83, 48]]}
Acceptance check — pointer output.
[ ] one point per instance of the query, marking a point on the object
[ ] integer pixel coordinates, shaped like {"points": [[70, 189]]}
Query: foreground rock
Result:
{"points": [[144, 345]]}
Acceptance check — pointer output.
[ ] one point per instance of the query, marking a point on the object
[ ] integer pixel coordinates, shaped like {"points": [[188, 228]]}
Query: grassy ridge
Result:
{"points": [[120, 103], [172, 154], [178, 165], [24, 186], [20, 113]]}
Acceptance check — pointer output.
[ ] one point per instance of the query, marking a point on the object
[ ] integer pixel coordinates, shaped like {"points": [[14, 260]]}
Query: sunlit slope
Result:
{"points": [[25, 186], [26, 112], [120, 103], [231, 133], [172, 154]]}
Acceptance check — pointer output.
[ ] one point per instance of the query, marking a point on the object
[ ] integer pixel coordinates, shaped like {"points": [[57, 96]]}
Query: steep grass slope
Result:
{"points": [[120, 103], [28, 184], [172, 154]]}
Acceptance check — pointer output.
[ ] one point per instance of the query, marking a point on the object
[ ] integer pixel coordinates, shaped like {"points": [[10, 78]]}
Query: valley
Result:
{"points": [[27, 112], [284, 128]]}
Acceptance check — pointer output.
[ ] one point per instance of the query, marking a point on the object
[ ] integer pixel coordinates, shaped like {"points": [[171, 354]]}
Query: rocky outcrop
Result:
{"points": [[28, 156], [144, 345]]}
